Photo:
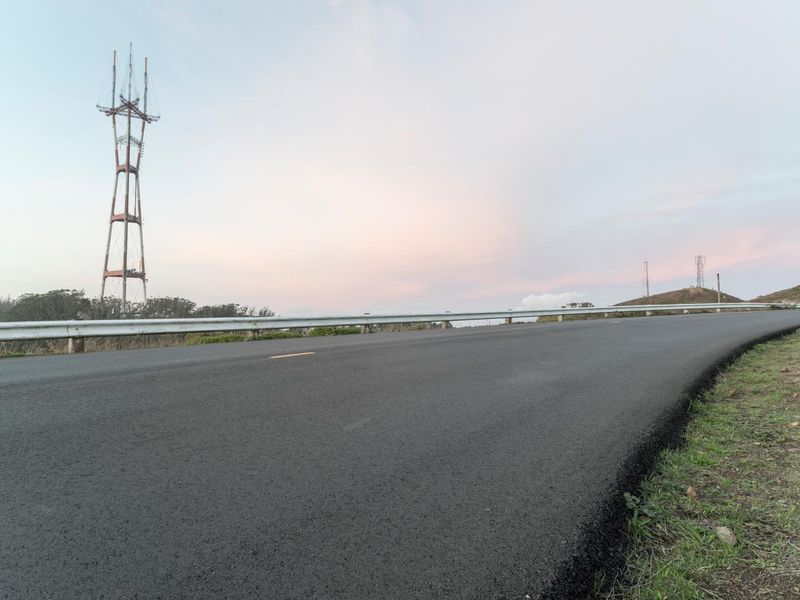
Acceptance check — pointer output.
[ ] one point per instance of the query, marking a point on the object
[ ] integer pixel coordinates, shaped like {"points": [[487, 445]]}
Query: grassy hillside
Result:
{"points": [[689, 295], [792, 295]]}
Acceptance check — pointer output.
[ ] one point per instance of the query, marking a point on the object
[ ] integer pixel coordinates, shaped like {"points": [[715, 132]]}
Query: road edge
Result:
{"points": [[604, 540]]}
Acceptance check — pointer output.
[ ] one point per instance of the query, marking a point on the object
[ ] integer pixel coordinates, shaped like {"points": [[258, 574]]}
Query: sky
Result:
{"points": [[371, 156]]}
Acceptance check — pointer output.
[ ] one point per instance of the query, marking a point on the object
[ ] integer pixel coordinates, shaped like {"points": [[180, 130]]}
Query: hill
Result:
{"points": [[789, 296], [691, 295]]}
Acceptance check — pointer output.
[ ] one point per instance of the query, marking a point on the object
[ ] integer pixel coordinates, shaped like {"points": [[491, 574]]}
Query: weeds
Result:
{"points": [[319, 331], [741, 460]]}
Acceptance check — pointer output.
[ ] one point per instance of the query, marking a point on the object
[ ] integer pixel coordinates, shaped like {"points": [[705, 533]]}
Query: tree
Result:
{"points": [[110, 307], [231, 310], [58, 305], [55, 305], [167, 307], [6, 304], [222, 310]]}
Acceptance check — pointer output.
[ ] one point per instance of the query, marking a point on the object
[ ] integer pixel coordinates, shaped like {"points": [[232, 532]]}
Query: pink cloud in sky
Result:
{"points": [[746, 250], [746, 246], [348, 238]]}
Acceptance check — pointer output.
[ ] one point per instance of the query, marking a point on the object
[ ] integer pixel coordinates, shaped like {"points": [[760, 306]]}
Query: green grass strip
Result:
{"points": [[221, 338], [741, 460]]}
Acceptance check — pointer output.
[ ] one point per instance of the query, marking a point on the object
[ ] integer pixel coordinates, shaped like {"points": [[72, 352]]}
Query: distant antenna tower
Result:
{"points": [[700, 263], [646, 278], [128, 199]]}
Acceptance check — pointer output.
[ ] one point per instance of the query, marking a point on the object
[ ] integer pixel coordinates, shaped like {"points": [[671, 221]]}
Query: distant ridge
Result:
{"points": [[691, 295], [789, 296]]}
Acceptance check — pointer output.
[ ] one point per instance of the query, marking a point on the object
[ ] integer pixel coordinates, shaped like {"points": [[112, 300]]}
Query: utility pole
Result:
{"points": [[127, 108], [719, 291], [646, 273]]}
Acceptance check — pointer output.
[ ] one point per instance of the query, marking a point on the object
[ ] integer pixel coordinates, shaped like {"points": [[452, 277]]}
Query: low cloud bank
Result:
{"points": [[536, 301]]}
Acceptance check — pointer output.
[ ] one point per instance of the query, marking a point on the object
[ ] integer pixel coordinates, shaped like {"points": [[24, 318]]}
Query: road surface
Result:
{"points": [[443, 464]]}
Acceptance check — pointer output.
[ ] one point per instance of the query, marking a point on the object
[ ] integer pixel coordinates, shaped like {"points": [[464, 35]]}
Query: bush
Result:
{"points": [[67, 305], [55, 305], [320, 331], [215, 338], [278, 335]]}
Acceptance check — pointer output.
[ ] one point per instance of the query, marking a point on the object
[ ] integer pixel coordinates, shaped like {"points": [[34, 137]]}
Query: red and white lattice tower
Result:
{"points": [[126, 201]]}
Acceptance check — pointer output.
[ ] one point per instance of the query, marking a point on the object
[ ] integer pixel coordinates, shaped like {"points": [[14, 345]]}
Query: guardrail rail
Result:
{"points": [[76, 330]]}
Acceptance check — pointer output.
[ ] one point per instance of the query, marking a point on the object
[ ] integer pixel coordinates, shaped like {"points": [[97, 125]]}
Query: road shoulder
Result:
{"points": [[719, 517]]}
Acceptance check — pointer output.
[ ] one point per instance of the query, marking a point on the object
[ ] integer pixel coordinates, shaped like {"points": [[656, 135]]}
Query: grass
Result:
{"points": [[134, 342], [217, 338], [625, 315], [221, 338], [788, 295], [214, 338], [741, 458], [277, 335], [318, 331], [684, 296]]}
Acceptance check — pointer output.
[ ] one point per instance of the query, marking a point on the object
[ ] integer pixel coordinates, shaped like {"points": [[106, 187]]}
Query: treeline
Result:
{"points": [[58, 305]]}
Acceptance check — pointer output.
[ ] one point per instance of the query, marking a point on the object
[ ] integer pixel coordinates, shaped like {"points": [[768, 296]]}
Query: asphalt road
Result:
{"points": [[441, 464]]}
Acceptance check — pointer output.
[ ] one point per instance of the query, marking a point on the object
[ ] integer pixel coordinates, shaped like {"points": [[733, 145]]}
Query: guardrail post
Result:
{"points": [[606, 315], [366, 328], [447, 325], [560, 318], [75, 344], [648, 313], [508, 320]]}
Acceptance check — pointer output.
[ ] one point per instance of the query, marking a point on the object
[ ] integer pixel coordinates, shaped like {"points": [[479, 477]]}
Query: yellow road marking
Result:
{"points": [[291, 355]]}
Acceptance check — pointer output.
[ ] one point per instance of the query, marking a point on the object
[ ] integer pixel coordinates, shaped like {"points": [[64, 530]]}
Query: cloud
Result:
{"points": [[557, 300], [370, 240]]}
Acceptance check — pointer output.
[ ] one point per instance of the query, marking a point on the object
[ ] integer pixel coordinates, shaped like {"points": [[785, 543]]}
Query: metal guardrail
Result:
{"points": [[36, 330]]}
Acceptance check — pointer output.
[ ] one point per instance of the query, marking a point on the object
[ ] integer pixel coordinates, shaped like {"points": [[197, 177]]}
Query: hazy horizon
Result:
{"points": [[366, 156]]}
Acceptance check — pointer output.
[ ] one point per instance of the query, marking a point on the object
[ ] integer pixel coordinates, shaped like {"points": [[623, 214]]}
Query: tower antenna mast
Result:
{"points": [[700, 263], [130, 201]]}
